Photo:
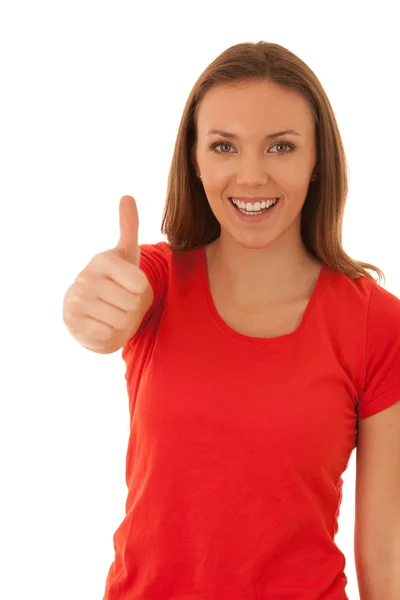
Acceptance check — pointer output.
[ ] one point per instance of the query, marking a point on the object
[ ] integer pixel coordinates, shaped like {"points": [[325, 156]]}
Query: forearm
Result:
{"points": [[377, 581]]}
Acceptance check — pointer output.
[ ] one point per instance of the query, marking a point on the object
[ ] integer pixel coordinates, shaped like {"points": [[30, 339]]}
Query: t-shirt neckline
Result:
{"points": [[318, 288]]}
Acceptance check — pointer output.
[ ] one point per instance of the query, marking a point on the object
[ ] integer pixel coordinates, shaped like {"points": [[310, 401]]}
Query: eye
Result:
{"points": [[220, 143], [287, 144]]}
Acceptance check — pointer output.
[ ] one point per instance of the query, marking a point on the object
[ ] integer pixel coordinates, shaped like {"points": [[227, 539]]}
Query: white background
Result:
{"points": [[91, 95]]}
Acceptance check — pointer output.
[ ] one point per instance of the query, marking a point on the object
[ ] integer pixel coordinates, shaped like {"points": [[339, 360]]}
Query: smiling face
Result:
{"points": [[247, 162]]}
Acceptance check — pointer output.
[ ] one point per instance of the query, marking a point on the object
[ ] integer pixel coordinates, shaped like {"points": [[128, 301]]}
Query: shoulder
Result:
{"points": [[154, 255], [384, 306], [161, 263], [164, 258], [382, 351], [154, 262], [158, 249]]}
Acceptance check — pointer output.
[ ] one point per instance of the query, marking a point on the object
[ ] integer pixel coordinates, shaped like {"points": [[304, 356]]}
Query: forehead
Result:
{"points": [[257, 104]]}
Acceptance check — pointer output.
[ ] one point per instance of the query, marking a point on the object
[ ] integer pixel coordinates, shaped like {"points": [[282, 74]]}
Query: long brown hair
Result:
{"points": [[188, 221]]}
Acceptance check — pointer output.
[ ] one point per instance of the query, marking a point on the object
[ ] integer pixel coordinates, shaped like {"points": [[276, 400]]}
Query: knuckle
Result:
{"points": [[121, 321], [134, 302], [72, 303], [98, 264]]}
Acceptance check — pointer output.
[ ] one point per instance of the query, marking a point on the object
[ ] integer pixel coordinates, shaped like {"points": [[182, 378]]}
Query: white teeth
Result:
{"points": [[254, 207]]}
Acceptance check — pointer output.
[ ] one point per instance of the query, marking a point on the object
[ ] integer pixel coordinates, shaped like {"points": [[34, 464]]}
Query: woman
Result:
{"points": [[265, 356]]}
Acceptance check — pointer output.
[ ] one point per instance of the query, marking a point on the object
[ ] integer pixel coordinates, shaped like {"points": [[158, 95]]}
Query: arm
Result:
{"points": [[377, 516]]}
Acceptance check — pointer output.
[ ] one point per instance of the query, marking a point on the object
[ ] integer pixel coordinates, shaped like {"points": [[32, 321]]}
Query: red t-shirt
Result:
{"points": [[237, 444]]}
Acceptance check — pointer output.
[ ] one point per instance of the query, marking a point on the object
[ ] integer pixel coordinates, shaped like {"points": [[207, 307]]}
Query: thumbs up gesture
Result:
{"points": [[105, 305]]}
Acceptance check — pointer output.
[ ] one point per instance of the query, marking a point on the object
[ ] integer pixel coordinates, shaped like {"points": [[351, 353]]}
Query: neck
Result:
{"points": [[254, 278]]}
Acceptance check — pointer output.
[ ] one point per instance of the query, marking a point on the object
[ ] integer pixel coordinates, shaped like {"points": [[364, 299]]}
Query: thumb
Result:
{"points": [[128, 244]]}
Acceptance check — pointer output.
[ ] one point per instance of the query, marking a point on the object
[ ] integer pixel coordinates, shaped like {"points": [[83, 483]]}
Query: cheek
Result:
{"points": [[291, 179], [216, 177]]}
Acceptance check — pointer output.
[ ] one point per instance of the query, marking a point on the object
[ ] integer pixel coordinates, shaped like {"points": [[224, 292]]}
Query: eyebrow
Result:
{"points": [[270, 136]]}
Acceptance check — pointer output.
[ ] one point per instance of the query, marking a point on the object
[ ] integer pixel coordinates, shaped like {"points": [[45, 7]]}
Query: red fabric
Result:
{"points": [[238, 444]]}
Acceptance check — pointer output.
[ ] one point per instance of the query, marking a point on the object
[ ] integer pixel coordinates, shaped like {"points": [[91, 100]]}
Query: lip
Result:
{"points": [[264, 216], [253, 199]]}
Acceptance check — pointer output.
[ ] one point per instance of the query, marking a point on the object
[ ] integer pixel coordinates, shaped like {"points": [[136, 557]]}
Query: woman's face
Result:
{"points": [[248, 161]]}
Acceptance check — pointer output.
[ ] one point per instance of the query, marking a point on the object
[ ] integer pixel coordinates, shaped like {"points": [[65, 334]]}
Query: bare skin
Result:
{"points": [[257, 319], [257, 267]]}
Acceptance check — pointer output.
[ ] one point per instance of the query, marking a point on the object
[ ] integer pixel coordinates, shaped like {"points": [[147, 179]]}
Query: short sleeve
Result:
{"points": [[155, 264], [382, 353]]}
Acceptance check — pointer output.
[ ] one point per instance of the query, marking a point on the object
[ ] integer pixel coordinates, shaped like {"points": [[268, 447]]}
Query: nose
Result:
{"points": [[251, 171]]}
